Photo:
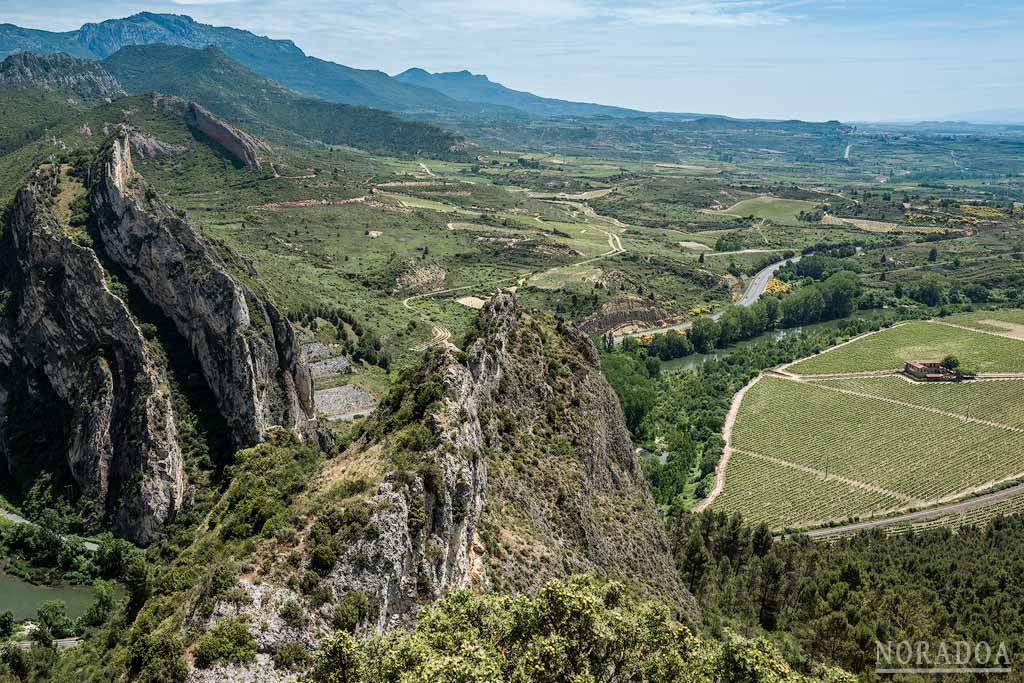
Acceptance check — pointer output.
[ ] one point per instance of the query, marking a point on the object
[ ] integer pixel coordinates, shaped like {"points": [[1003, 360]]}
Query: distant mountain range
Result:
{"points": [[413, 92], [38, 91], [465, 86]]}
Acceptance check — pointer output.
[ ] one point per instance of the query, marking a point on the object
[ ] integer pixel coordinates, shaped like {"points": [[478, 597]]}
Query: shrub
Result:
{"points": [[349, 611], [291, 613], [290, 655], [323, 558], [228, 641]]}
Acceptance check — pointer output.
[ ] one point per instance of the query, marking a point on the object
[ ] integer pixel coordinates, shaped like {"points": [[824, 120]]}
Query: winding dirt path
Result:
{"points": [[723, 462]]}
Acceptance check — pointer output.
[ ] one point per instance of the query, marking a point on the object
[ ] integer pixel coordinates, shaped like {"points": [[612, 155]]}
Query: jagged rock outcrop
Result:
{"points": [[505, 466], [71, 352], [248, 351], [238, 144], [81, 77], [146, 146]]}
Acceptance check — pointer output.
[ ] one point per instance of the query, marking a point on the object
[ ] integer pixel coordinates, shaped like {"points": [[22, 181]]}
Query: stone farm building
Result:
{"points": [[929, 371]]}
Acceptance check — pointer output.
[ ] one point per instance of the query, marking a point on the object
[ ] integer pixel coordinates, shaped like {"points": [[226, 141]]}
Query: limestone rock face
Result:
{"points": [[241, 146], [70, 351], [529, 475], [248, 351]]}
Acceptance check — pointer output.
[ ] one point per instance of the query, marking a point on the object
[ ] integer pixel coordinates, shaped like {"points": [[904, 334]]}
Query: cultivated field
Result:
{"points": [[919, 340], [808, 451], [780, 211]]}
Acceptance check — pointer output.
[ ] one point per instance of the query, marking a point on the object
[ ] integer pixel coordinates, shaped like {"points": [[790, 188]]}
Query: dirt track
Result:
{"points": [[730, 420], [921, 515]]}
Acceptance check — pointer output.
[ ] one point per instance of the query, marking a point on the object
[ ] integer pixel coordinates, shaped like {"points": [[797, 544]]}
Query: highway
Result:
{"points": [[753, 292]]}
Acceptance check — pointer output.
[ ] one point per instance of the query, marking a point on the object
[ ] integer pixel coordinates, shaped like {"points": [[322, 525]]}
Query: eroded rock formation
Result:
{"points": [[86, 382], [238, 144], [247, 349], [623, 311]]}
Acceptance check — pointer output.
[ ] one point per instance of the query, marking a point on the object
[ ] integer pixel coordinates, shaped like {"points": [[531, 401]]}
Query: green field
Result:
{"points": [[905, 452], [921, 340], [773, 209]]}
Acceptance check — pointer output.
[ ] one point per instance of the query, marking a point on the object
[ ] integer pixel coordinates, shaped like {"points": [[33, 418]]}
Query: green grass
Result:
{"points": [[919, 340], [773, 209]]}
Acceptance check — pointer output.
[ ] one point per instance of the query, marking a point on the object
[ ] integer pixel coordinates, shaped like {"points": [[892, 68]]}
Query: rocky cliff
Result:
{"points": [[75, 369], [243, 148], [501, 467], [248, 351], [83, 78]]}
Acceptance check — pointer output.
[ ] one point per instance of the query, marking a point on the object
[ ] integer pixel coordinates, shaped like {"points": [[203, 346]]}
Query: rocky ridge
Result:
{"points": [[242, 147], [249, 352], [83, 78], [505, 466], [70, 349]]}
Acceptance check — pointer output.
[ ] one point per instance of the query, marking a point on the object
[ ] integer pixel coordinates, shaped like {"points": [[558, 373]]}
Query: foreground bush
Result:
{"points": [[579, 630]]}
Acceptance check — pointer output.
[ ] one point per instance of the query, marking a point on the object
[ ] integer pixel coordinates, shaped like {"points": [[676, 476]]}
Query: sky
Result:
{"points": [[853, 60]]}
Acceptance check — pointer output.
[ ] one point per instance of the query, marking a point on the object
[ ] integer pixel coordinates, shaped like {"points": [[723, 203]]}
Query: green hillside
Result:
{"points": [[242, 96]]}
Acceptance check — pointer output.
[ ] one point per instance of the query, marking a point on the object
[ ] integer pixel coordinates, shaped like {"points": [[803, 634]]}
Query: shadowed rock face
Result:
{"points": [[238, 144], [69, 348], [247, 349]]}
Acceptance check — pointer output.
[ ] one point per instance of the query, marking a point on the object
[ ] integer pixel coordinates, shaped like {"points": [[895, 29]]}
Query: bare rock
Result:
{"points": [[247, 349], [69, 347]]}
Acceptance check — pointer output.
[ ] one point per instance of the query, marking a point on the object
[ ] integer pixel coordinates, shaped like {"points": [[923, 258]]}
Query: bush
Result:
{"points": [[291, 613], [228, 641], [290, 656], [351, 610], [323, 558]]}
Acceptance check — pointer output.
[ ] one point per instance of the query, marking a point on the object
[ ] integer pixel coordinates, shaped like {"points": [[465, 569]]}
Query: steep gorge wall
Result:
{"points": [[248, 350], [69, 347]]}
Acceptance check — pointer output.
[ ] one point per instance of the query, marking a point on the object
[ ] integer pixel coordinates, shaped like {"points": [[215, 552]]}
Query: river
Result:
{"points": [[24, 599], [696, 359]]}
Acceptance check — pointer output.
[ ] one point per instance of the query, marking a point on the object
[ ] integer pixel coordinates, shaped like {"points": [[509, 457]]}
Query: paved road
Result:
{"points": [[59, 643], [18, 519], [921, 515], [755, 290]]}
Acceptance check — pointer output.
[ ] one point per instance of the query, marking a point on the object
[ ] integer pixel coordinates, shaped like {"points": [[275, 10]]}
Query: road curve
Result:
{"points": [[920, 515], [18, 519], [754, 291]]}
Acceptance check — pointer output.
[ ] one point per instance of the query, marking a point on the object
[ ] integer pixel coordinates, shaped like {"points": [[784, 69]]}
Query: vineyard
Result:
{"points": [[782, 496], [918, 340], [811, 452], [1000, 401], [976, 517]]}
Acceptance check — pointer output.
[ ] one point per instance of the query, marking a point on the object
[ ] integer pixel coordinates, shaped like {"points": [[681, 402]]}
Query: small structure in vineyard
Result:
{"points": [[930, 371]]}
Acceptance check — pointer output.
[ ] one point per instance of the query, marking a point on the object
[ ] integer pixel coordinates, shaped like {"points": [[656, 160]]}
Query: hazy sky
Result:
{"points": [[810, 59]]}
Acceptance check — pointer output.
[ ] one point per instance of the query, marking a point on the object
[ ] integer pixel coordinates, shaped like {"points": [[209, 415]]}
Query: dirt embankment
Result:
{"points": [[623, 311]]}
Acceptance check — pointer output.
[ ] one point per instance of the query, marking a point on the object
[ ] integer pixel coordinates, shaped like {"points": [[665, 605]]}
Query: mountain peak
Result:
{"points": [[79, 77]]}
